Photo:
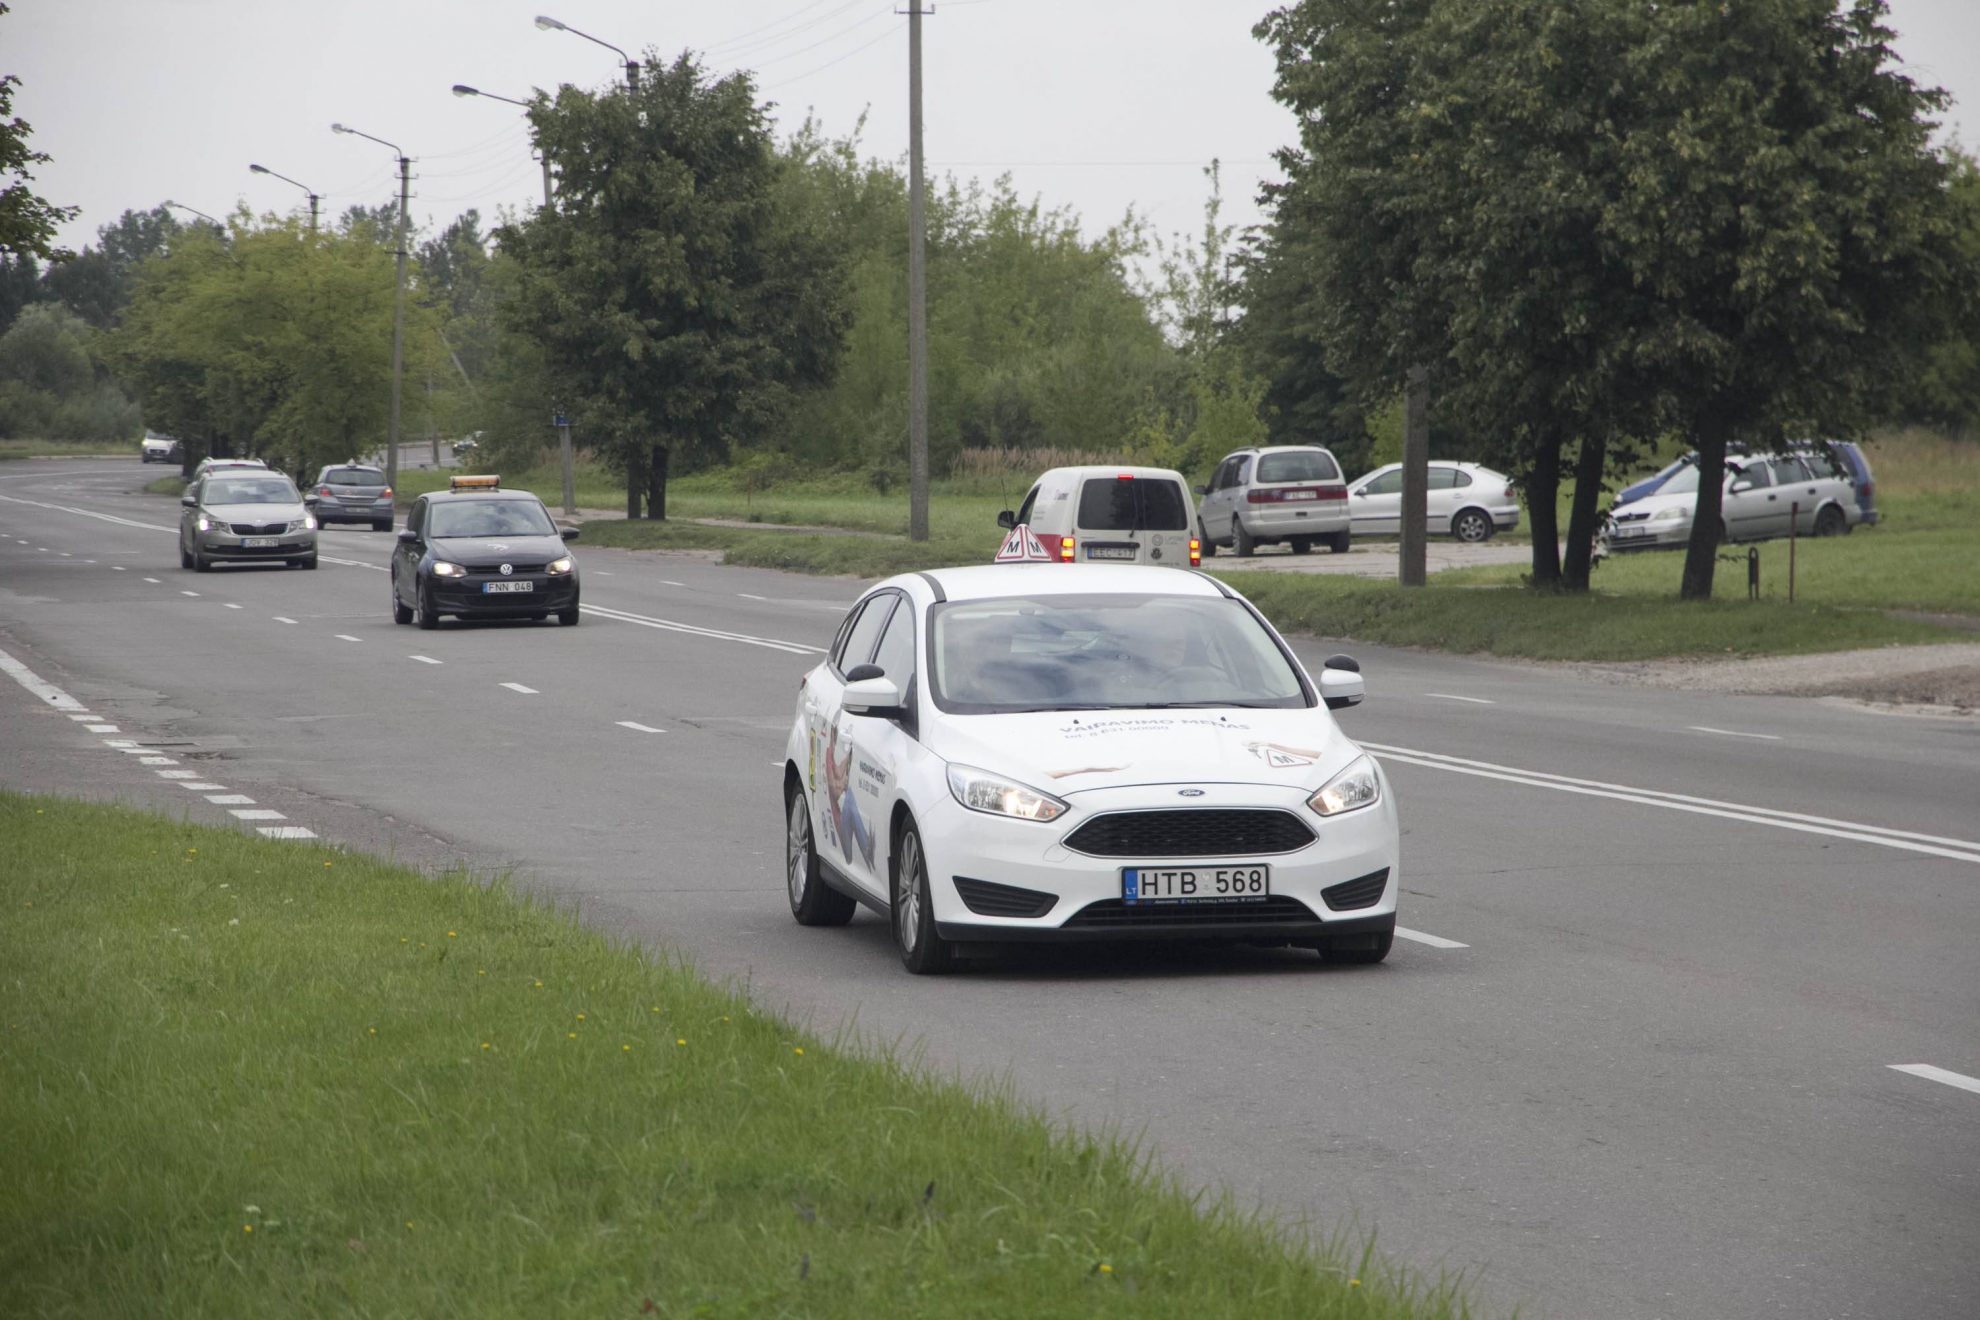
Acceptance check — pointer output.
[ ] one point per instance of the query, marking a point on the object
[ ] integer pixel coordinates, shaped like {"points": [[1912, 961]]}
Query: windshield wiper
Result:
{"points": [[1201, 705]]}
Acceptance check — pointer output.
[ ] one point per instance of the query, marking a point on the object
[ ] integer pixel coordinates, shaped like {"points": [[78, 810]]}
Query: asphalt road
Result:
{"points": [[1639, 1056]]}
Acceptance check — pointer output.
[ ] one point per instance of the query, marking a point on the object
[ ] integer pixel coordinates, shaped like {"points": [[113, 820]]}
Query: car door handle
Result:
{"points": [[1771, 498]]}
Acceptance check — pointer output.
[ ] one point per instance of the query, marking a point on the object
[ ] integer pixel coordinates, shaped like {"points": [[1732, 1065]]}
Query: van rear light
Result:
{"points": [[1195, 553], [1065, 549]]}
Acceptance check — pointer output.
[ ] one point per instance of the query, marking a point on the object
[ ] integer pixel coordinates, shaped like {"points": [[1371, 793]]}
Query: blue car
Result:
{"points": [[1848, 456]]}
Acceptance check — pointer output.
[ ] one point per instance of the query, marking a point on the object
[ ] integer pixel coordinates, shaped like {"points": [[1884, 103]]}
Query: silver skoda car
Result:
{"points": [[242, 515]]}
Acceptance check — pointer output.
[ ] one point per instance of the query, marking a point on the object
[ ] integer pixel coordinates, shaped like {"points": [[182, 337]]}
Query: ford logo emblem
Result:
{"points": [[508, 569], [1189, 792]]}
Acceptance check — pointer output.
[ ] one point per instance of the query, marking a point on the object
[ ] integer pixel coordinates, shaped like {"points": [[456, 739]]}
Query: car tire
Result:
{"points": [[568, 618], [1208, 546], [309, 562], [923, 951], [401, 614], [381, 527], [1472, 526], [813, 902], [1831, 521], [423, 614], [1340, 543], [1241, 541], [200, 563], [185, 557], [1302, 545], [1361, 957]]}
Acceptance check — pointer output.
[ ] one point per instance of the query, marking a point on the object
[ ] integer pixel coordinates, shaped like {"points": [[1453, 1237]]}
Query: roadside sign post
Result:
{"points": [[1794, 525], [562, 421]]}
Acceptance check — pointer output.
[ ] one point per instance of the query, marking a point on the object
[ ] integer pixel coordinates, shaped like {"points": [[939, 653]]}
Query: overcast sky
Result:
{"points": [[1097, 105]]}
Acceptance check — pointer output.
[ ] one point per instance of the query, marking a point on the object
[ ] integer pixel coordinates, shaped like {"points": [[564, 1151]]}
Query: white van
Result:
{"points": [[1113, 515]]}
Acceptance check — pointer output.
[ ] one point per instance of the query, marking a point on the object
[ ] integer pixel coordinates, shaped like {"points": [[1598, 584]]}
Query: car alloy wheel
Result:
{"points": [[813, 902], [423, 614], [923, 952], [1473, 526]]}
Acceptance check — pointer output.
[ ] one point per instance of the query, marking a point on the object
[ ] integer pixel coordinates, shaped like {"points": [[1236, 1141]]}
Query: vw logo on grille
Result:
{"points": [[1189, 792], [508, 569]]}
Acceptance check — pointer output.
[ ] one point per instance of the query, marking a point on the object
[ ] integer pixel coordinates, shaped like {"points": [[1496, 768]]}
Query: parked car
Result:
{"points": [[1465, 500], [1842, 458], [1127, 515], [351, 492], [466, 445], [158, 449], [243, 514], [1763, 496], [1003, 754], [207, 465], [1283, 493]]}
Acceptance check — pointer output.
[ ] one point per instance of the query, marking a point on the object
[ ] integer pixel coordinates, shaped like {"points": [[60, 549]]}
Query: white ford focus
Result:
{"points": [[1032, 752]]}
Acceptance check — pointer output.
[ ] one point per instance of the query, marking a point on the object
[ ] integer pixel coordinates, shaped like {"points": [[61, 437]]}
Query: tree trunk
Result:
{"points": [[1542, 488], [656, 483], [635, 483], [1583, 513], [1701, 555]]}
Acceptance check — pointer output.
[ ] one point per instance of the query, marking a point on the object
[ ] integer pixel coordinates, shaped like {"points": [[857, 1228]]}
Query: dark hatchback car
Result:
{"points": [[351, 493], [477, 551]]}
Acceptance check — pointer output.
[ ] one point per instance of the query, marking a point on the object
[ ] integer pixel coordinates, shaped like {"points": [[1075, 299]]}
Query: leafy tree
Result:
{"points": [[53, 385], [667, 284], [27, 222], [96, 283], [20, 284], [1947, 392]]}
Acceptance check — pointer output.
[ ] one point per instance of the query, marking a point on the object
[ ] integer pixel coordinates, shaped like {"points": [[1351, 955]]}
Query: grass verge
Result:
{"points": [[66, 449], [242, 1078]]}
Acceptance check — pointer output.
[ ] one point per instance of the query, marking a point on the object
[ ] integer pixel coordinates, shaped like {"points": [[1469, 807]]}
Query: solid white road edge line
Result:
{"points": [[1964, 851], [696, 630], [1931, 1074], [1434, 941], [1732, 733]]}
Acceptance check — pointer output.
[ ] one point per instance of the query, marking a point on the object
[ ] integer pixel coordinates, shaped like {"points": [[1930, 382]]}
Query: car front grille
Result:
{"points": [[517, 567], [1114, 912], [988, 899], [259, 529], [1631, 517], [1198, 832], [1364, 891]]}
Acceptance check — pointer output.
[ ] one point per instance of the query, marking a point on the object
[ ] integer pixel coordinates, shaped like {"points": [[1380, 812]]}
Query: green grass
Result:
{"points": [[67, 448], [242, 1078], [172, 485]]}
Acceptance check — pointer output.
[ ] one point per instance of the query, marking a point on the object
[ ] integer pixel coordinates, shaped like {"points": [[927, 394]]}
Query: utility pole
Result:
{"points": [[1410, 567], [314, 200], [917, 294], [398, 325], [562, 420]]}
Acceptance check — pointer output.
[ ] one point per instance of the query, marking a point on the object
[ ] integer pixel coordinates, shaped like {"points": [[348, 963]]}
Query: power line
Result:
{"points": [[825, 41], [800, 77]]}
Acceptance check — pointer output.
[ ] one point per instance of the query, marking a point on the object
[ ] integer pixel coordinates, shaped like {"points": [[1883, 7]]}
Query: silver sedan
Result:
{"points": [[244, 515]]}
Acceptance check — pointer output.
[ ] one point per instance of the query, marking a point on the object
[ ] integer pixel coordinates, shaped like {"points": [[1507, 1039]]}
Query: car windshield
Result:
{"points": [[353, 477], [1127, 504], [251, 490], [1100, 652], [490, 518], [1297, 465]]}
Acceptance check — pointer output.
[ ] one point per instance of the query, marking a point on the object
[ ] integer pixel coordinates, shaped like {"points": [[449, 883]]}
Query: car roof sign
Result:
{"points": [[474, 483], [1021, 546]]}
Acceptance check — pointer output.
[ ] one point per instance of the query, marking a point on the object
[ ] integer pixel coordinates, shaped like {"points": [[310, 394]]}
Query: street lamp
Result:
{"points": [[313, 197], [196, 211], [632, 65], [462, 89], [398, 305]]}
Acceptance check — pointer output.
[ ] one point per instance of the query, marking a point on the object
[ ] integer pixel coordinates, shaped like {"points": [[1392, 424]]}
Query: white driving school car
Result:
{"points": [[1037, 752]]}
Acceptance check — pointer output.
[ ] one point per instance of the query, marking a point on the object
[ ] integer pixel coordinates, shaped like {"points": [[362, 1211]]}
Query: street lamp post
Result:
{"points": [[462, 89], [632, 65], [196, 211], [313, 197], [398, 307]]}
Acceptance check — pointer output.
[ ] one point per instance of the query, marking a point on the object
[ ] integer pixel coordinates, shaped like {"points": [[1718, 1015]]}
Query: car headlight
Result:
{"points": [[306, 523], [558, 567], [1351, 789], [979, 790], [442, 568], [208, 523], [1679, 514]]}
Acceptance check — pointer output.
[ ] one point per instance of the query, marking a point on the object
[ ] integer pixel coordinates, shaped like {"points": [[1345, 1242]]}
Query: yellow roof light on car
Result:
{"points": [[474, 483]]}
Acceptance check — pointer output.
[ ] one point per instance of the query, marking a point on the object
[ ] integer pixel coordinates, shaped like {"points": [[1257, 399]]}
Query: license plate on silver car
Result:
{"points": [[1194, 884], [259, 543], [492, 588]]}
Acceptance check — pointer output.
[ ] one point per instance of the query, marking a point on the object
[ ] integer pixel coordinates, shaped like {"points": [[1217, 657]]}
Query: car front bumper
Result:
{"points": [[228, 545], [1355, 857], [1649, 536], [467, 598]]}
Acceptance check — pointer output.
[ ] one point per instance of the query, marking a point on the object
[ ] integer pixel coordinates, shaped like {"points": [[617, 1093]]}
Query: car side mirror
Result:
{"points": [[310, 500], [568, 533], [1201, 490], [879, 696], [1341, 688], [409, 536], [1739, 486], [1007, 520]]}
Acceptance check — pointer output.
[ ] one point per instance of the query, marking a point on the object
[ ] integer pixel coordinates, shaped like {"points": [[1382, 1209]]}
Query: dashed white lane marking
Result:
{"points": [[232, 606], [156, 760], [517, 687], [101, 728], [1452, 696], [201, 786], [639, 728], [346, 637], [230, 799], [425, 659], [283, 618], [1933, 845], [1434, 941], [120, 742], [1732, 733], [42, 548], [67, 555], [116, 568], [1931, 1074], [189, 593], [178, 774], [153, 581], [39, 686], [284, 832], [746, 596], [82, 716], [665, 582], [257, 813]]}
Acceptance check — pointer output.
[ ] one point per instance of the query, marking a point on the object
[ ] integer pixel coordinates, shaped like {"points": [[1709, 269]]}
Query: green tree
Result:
{"points": [[667, 285], [27, 222], [53, 383], [1947, 392], [96, 283]]}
